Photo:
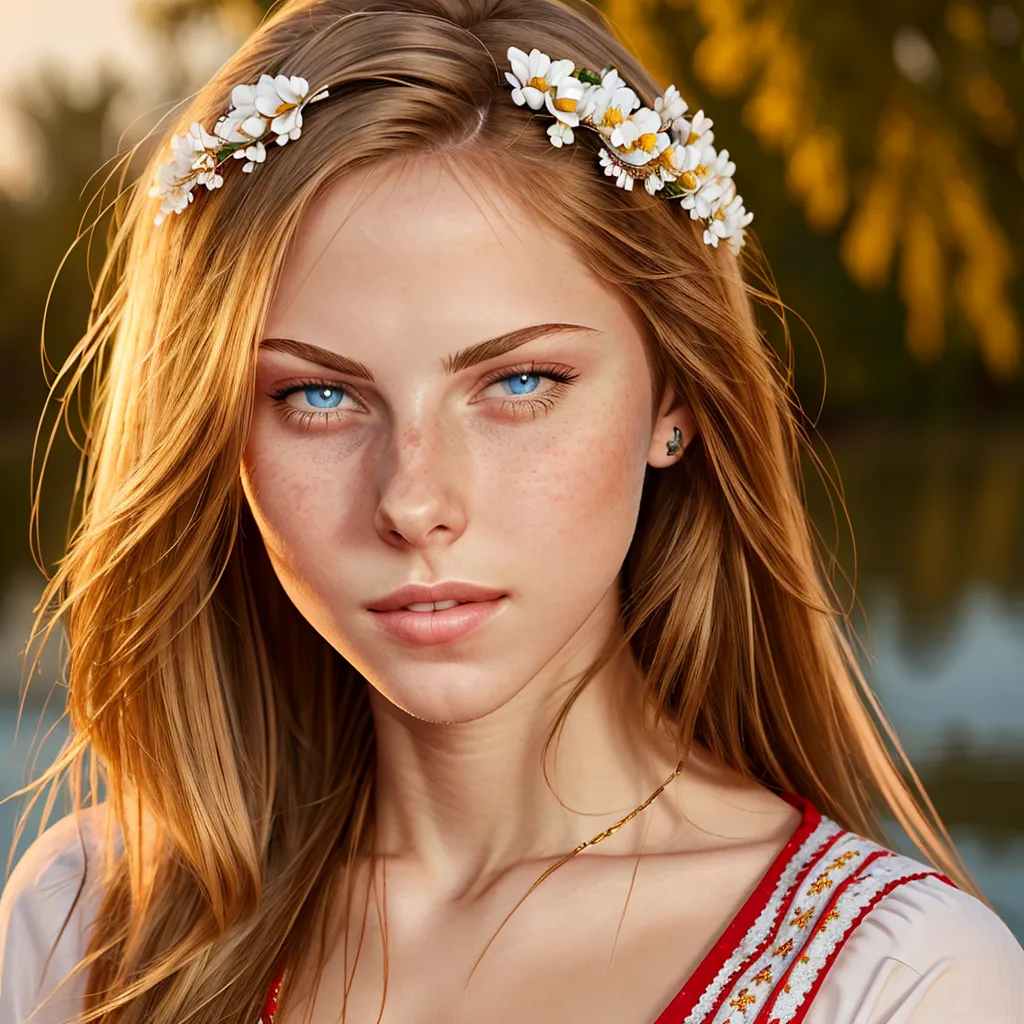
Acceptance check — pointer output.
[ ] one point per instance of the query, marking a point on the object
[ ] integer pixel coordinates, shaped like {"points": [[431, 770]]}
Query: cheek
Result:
{"points": [[570, 486], [300, 487]]}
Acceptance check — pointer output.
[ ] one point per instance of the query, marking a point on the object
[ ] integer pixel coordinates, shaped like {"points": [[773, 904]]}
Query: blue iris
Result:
{"points": [[324, 393], [520, 380]]}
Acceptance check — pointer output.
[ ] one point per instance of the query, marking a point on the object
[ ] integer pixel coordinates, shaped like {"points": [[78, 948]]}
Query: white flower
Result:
{"points": [[193, 162], [528, 81], [253, 155], [597, 95], [639, 138], [607, 109], [671, 106], [560, 133], [567, 93], [611, 165], [729, 221]]}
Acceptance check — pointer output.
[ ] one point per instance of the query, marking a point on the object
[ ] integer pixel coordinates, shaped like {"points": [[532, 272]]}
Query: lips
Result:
{"points": [[423, 594], [437, 627]]}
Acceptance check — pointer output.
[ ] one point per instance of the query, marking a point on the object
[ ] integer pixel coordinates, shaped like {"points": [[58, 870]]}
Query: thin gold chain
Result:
{"points": [[610, 831]]}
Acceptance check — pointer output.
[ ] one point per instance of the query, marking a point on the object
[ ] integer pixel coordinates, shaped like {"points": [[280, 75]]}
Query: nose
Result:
{"points": [[422, 503]]}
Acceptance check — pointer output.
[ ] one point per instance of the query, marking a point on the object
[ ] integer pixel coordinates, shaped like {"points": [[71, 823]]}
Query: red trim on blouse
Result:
{"points": [[680, 1007]]}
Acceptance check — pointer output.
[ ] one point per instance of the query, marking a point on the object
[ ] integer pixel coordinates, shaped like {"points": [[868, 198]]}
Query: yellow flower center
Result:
{"points": [[565, 103], [701, 170], [691, 138], [689, 179], [538, 83], [612, 117]]}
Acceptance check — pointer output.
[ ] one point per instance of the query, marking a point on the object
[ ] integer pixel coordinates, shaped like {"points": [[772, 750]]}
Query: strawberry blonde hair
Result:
{"points": [[235, 744]]}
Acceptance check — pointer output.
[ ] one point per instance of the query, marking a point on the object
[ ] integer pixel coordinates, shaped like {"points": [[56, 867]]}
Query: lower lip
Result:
{"points": [[439, 627]]}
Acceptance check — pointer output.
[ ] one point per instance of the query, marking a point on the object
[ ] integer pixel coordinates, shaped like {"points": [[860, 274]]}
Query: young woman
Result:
{"points": [[444, 620]]}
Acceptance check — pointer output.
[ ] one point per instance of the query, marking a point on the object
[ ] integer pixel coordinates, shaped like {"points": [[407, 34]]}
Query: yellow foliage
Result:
{"points": [[776, 110], [897, 137], [966, 23], [816, 173], [724, 59], [866, 248], [981, 281], [921, 285], [631, 21], [988, 101]]}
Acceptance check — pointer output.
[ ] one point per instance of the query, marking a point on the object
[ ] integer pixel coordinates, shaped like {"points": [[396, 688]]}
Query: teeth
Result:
{"points": [[432, 606]]}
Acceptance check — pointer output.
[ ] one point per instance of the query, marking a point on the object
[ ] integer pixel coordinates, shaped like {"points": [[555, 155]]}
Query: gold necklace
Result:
{"points": [[610, 831]]}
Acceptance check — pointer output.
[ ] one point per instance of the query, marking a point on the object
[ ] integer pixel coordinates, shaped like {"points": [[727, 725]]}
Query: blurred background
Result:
{"points": [[880, 146]]}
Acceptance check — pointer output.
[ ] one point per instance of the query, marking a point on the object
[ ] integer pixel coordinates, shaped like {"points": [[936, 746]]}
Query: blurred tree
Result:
{"points": [[894, 127]]}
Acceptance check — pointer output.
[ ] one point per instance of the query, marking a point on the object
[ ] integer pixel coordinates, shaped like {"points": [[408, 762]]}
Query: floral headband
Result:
{"points": [[671, 154]]}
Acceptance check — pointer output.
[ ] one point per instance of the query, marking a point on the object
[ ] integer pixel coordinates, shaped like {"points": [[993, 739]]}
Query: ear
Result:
{"points": [[672, 412]]}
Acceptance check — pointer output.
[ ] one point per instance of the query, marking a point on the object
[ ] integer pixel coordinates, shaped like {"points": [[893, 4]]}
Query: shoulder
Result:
{"points": [[843, 930], [46, 906], [923, 950]]}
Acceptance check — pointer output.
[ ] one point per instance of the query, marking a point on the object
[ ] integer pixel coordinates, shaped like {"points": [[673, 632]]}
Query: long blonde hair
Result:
{"points": [[235, 744]]}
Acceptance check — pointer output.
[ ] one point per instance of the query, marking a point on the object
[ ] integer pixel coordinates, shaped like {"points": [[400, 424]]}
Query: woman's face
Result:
{"points": [[518, 470]]}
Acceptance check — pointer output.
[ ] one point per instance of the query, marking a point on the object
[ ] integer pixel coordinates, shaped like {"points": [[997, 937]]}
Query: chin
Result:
{"points": [[445, 693]]}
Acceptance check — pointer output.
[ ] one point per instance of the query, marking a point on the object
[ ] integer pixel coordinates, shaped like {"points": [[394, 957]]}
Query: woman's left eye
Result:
{"points": [[527, 383]]}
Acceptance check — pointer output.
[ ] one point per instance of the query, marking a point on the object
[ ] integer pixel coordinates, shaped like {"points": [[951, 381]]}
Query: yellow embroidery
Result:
{"points": [[743, 1000], [832, 915], [785, 988], [820, 884], [805, 959], [843, 858], [802, 917], [785, 949], [763, 977]]}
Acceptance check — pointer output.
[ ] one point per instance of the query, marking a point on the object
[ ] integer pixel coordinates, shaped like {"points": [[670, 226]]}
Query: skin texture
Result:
{"points": [[422, 476]]}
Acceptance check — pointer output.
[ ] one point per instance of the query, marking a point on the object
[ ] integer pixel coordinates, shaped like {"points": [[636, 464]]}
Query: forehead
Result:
{"points": [[415, 245]]}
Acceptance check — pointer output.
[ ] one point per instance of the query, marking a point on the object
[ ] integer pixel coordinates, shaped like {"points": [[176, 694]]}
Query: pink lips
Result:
{"points": [[437, 627]]}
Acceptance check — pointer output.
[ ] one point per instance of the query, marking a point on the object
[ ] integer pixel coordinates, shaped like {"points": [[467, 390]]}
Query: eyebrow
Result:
{"points": [[482, 351]]}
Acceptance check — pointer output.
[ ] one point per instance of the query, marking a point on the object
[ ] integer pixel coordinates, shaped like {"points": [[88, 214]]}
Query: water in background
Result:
{"points": [[939, 523]]}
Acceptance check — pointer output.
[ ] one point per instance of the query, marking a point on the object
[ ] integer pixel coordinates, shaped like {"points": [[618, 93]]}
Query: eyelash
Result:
{"points": [[561, 376]]}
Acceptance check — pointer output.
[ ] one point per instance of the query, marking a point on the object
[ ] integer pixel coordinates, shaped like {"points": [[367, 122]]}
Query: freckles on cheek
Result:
{"points": [[570, 483], [304, 485]]}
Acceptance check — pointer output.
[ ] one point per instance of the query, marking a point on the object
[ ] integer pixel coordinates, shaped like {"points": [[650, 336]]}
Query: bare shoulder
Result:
{"points": [[47, 903]]}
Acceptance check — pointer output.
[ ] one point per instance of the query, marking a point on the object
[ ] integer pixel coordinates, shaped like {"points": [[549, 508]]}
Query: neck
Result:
{"points": [[465, 801]]}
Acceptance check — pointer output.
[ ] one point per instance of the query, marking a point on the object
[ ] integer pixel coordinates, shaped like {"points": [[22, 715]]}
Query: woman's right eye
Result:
{"points": [[319, 401]]}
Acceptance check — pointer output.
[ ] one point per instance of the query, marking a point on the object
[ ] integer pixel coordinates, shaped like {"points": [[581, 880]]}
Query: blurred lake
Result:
{"points": [[939, 523]]}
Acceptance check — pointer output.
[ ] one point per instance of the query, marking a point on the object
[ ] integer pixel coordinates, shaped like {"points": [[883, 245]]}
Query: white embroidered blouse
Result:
{"points": [[838, 931]]}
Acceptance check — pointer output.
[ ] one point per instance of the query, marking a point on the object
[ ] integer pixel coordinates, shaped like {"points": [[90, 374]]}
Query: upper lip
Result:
{"points": [[451, 590]]}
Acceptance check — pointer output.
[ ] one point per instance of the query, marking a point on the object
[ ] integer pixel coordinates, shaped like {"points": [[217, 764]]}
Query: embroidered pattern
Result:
{"points": [[778, 965], [763, 932]]}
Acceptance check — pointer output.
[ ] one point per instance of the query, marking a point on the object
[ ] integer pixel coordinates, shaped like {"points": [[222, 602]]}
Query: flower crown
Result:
{"points": [[668, 152], [270, 110]]}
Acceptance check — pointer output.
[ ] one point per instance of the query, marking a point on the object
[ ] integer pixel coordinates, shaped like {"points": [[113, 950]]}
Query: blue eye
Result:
{"points": [[330, 395], [519, 383]]}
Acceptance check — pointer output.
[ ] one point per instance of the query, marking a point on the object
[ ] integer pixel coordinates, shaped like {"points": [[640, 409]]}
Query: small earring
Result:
{"points": [[675, 446]]}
